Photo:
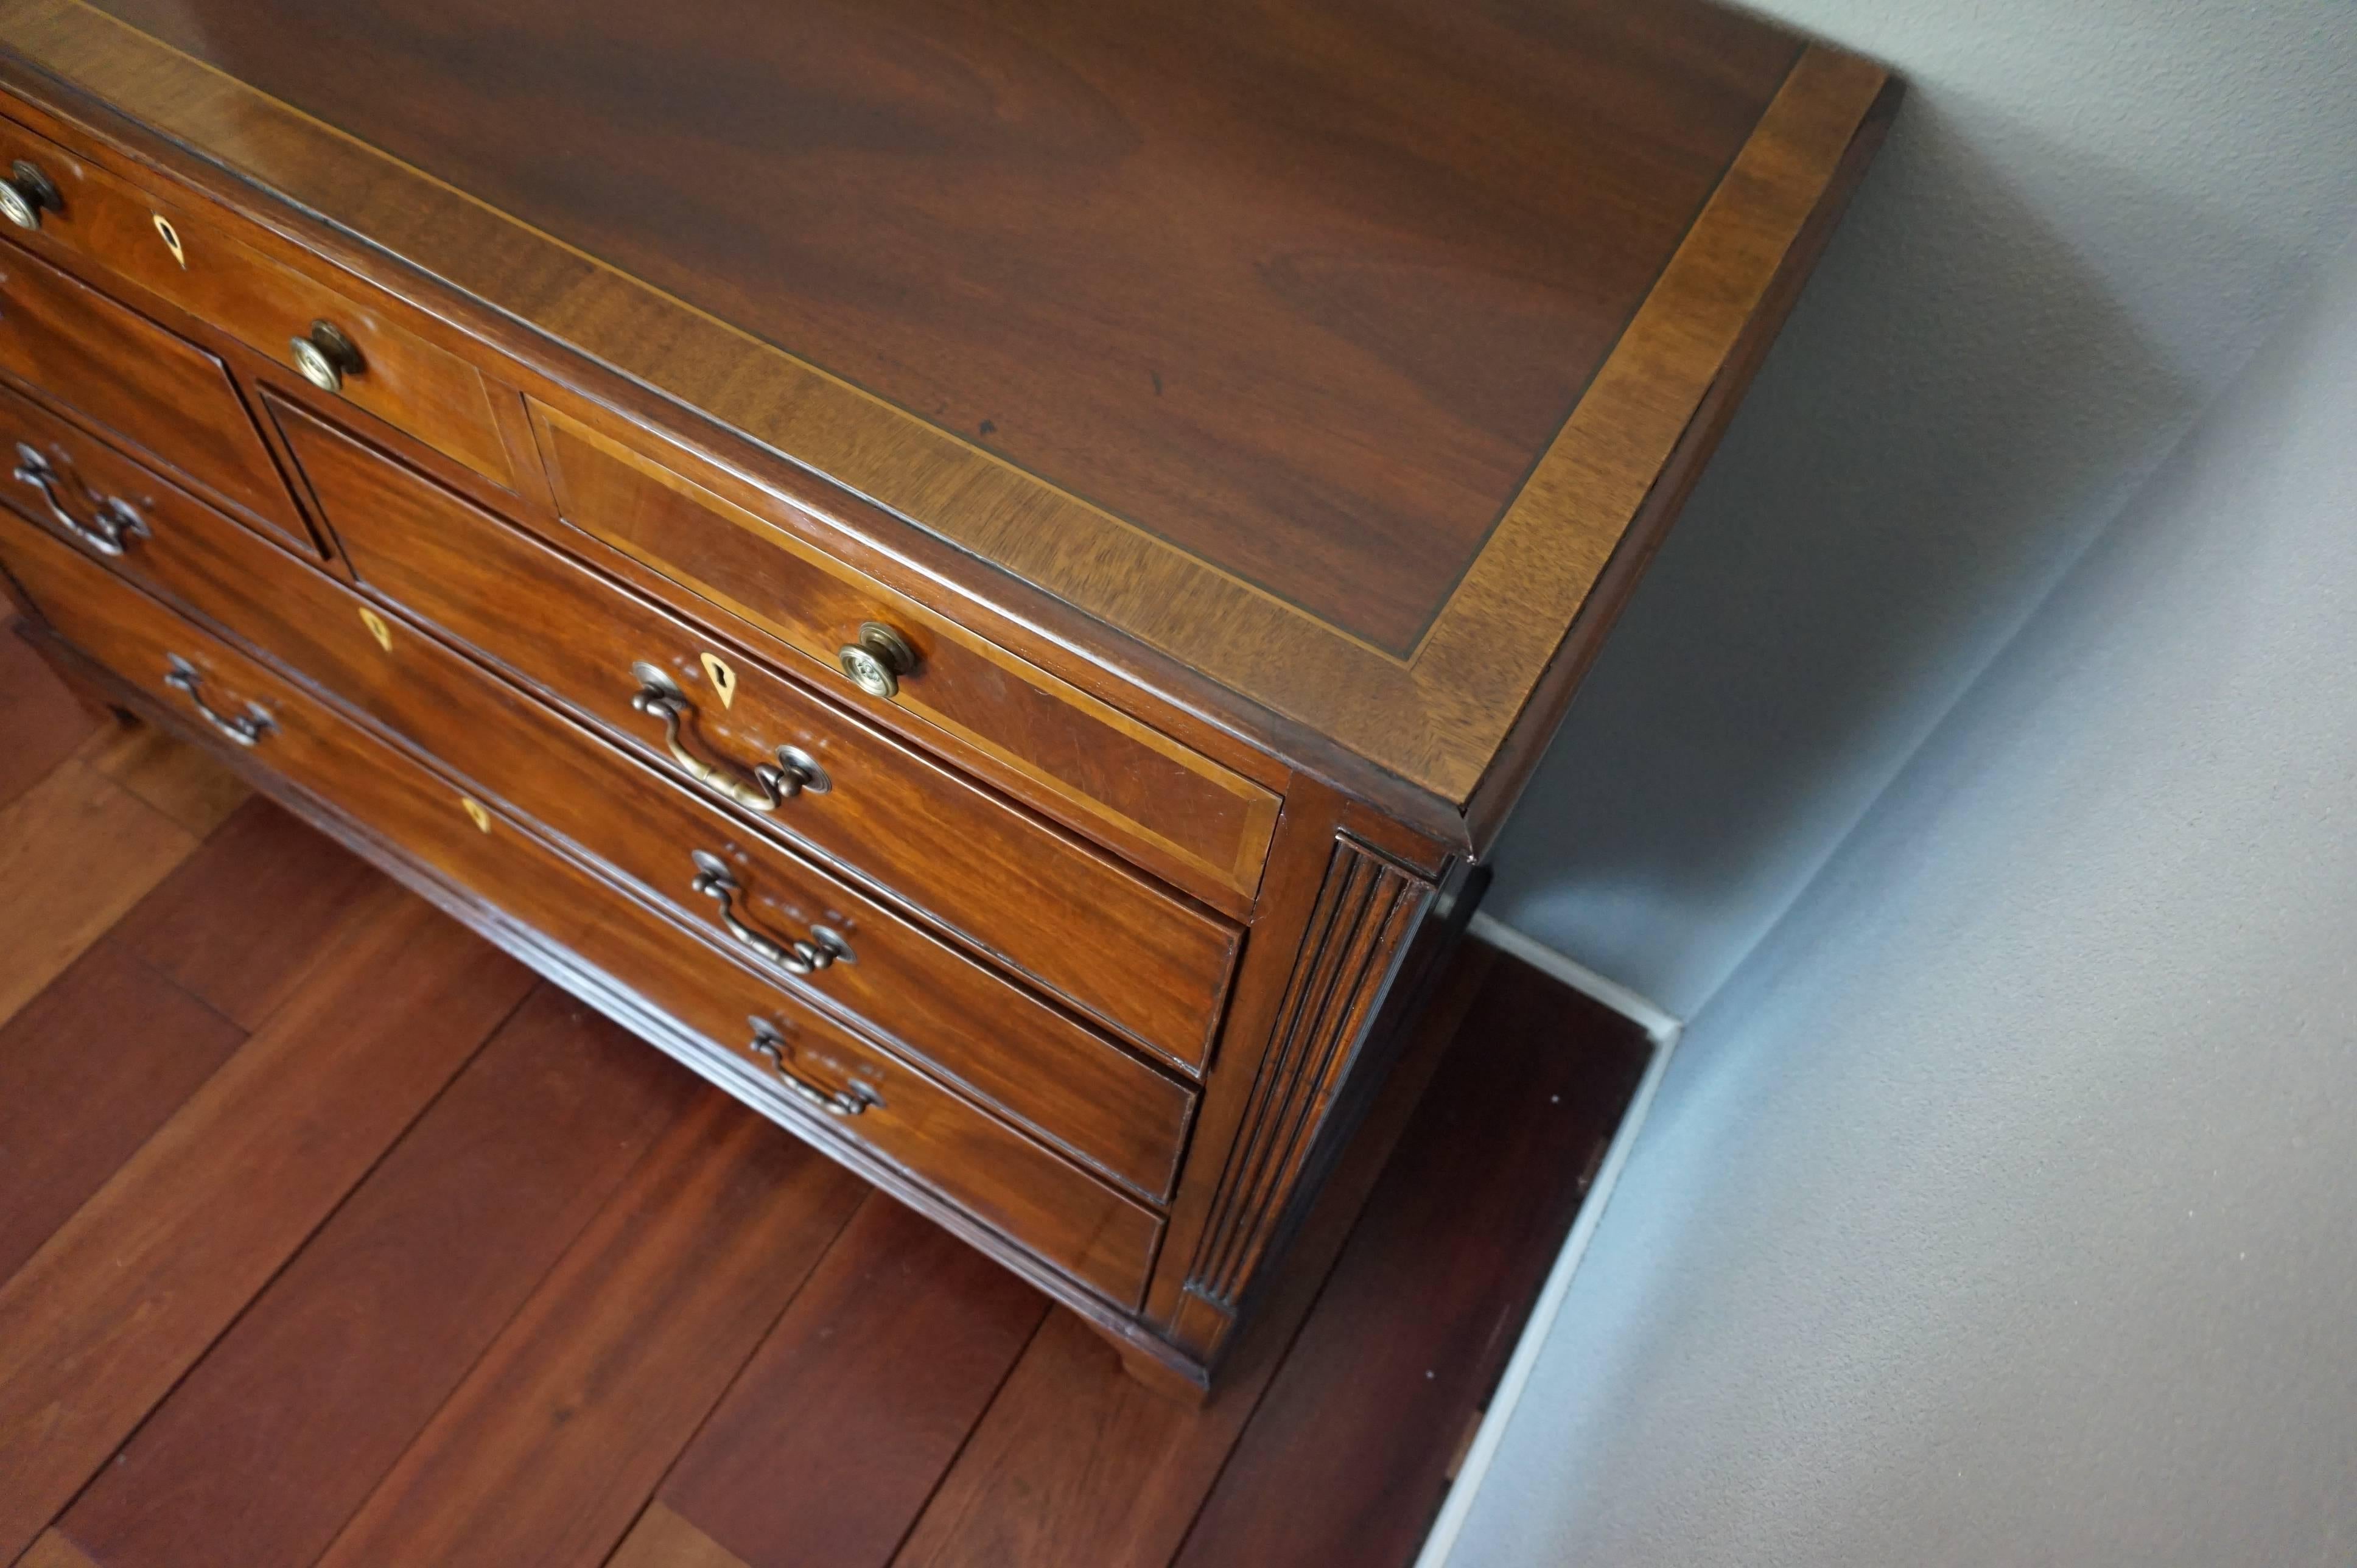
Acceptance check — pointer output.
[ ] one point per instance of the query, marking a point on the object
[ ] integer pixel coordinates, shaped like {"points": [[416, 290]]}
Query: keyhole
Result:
{"points": [[377, 628], [480, 817], [723, 679], [171, 241]]}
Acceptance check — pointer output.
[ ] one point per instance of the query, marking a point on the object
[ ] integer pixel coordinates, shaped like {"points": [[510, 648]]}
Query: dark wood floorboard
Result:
{"points": [[41, 723], [903, 1335], [88, 1070], [282, 1430], [235, 924], [1348, 1456], [1075, 1462], [297, 1269], [552, 1445], [101, 1321]]}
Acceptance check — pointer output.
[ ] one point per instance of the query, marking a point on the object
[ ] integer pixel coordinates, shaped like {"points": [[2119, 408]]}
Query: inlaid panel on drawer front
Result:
{"points": [[1140, 784], [155, 390], [1002, 1178], [185, 253], [1045, 1070], [1099, 934]]}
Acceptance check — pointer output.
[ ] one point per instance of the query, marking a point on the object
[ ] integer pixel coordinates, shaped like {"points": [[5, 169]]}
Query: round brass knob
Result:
{"points": [[26, 192], [878, 661], [325, 356]]}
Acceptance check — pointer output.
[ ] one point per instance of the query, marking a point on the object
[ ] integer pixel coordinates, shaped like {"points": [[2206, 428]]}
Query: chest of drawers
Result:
{"points": [[983, 576]]}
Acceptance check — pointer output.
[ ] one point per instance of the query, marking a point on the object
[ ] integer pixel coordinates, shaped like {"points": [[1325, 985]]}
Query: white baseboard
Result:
{"points": [[1440, 1543]]}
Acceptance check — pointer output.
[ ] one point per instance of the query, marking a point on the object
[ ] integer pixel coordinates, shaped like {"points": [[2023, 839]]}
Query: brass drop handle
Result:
{"points": [[825, 949], [794, 771], [325, 356], [27, 193], [113, 523], [878, 661], [255, 723], [772, 1047]]}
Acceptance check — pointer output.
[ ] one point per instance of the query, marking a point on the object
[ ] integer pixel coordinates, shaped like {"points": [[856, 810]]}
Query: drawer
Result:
{"points": [[1096, 765], [184, 253], [1006, 1181], [81, 488], [157, 392], [1104, 938], [1037, 1065]]}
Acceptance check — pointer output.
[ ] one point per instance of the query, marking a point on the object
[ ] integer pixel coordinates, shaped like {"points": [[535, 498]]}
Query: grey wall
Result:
{"points": [[2002, 1208], [2089, 213]]}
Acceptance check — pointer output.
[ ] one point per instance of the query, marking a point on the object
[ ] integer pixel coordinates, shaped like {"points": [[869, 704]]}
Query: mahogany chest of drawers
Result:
{"points": [[985, 577]]}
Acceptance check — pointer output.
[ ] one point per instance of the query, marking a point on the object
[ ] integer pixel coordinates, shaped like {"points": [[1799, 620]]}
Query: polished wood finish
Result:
{"points": [[229, 926], [1341, 1463], [43, 723], [885, 1363], [146, 386], [1359, 931], [550, 1446], [448, 1236], [764, 1483], [1058, 736], [88, 1070], [1141, 961], [1064, 1080], [176, 253], [1124, 1471], [76, 851], [125, 1296], [1104, 1241], [1436, 714], [1229, 438], [1117, 250]]}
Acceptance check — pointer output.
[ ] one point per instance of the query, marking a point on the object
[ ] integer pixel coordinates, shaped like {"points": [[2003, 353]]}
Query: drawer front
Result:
{"points": [[158, 392], [1104, 938], [78, 487], [183, 254], [1039, 1067], [1122, 777], [1003, 1179], [1093, 1232]]}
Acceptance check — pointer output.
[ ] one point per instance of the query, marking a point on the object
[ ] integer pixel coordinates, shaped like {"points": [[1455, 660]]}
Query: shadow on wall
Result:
{"points": [[1958, 404]]}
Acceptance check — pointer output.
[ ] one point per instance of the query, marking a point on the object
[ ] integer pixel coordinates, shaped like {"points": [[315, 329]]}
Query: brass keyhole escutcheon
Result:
{"points": [[723, 679], [476, 814], [171, 238], [377, 628]]}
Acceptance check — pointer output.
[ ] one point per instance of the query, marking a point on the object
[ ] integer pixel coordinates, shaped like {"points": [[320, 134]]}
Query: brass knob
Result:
{"points": [[26, 192], [325, 356], [878, 661]]}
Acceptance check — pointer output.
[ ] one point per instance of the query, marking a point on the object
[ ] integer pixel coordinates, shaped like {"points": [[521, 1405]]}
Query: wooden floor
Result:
{"points": [[331, 1236]]}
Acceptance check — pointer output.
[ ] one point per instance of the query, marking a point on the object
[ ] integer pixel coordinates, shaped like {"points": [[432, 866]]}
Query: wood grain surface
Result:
{"points": [[1301, 287], [43, 721], [290, 1420], [1531, 143], [236, 923], [1145, 962], [88, 1071], [888, 1393], [140, 381], [768, 1483], [77, 850], [550, 1447], [101, 1322]]}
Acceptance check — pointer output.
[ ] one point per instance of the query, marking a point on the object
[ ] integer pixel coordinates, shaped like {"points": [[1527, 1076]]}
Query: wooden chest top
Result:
{"points": [[1350, 356]]}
